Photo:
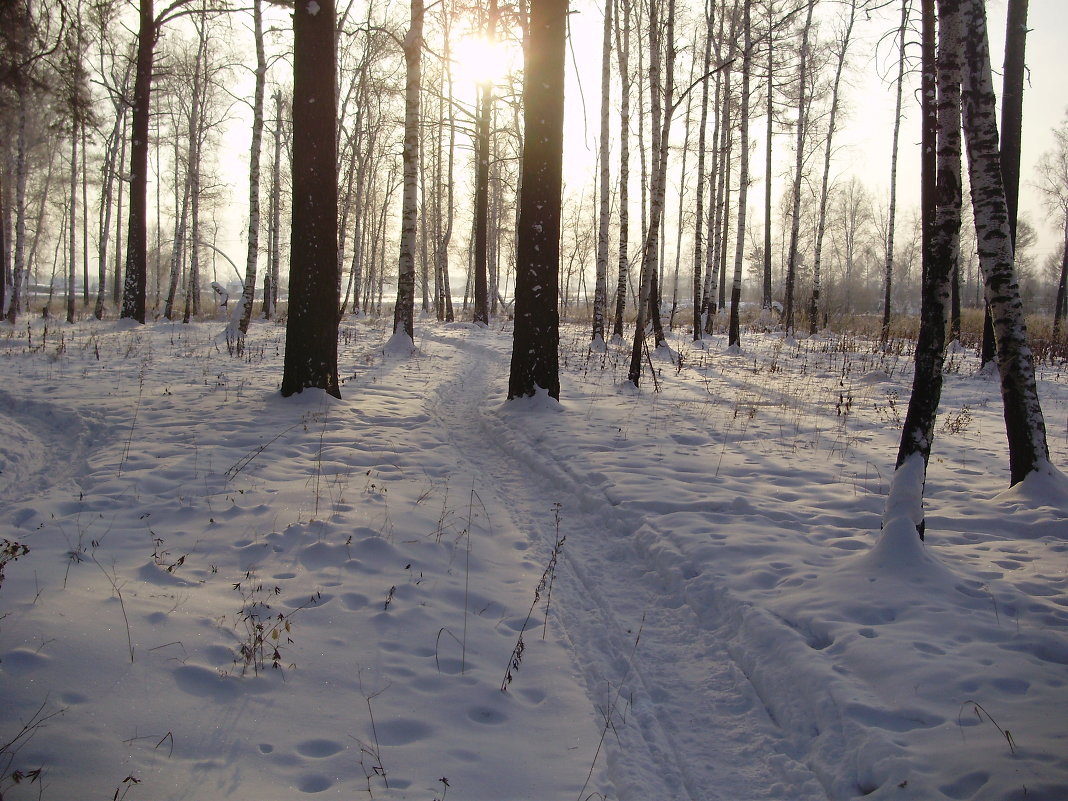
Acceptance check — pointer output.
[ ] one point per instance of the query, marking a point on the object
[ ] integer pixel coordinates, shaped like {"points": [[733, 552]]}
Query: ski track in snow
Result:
{"points": [[42, 445], [674, 692]]}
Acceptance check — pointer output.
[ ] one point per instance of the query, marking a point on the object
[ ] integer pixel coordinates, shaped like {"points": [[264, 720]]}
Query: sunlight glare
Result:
{"points": [[478, 60]]}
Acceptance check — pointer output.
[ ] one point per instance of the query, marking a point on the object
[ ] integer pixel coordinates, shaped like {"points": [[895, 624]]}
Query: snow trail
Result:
{"points": [[682, 720]]}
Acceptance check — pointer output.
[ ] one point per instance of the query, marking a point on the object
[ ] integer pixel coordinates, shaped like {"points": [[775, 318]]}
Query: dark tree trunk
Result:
{"points": [[311, 330], [535, 359], [940, 206], [136, 281], [1062, 285], [482, 148], [623, 56]]}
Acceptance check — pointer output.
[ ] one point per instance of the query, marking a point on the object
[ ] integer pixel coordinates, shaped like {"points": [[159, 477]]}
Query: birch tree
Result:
{"points": [[803, 102], [661, 102], [242, 313], [841, 51], [892, 213], [941, 195], [404, 312], [135, 283], [1053, 184], [1024, 423], [600, 291]]}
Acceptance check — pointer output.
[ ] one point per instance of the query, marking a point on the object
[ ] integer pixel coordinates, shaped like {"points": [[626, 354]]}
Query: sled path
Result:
{"points": [[680, 719]]}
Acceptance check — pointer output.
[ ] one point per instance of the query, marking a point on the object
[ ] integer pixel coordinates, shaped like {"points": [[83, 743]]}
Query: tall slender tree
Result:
{"points": [[600, 291], [623, 258], [1053, 184], [1025, 425], [841, 51], [311, 328], [888, 277], [135, 284], [482, 179], [803, 103], [940, 201], [734, 331], [404, 311], [243, 312], [536, 335], [1012, 92]]}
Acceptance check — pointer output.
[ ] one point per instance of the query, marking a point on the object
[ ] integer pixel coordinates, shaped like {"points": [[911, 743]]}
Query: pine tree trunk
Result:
{"points": [[136, 280], [734, 333], [482, 158], [311, 328], [623, 56], [536, 335], [1062, 285], [1024, 423], [270, 294], [766, 297]]}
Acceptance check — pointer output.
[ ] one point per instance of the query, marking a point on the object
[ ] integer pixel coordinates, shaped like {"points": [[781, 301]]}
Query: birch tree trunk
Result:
{"points": [[891, 217], [72, 266], [941, 214], [18, 266], [821, 223], [661, 116], [600, 291], [769, 138], [243, 312], [799, 166], [404, 313], [1024, 424], [699, 210], [117, 278]]}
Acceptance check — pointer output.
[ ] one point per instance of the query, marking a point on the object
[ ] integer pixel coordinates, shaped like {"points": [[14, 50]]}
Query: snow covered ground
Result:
{"points": [[233, 595]]}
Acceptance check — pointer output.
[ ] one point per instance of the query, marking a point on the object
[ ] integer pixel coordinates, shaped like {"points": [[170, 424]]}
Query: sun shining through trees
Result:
{"points": [[478, 61]]}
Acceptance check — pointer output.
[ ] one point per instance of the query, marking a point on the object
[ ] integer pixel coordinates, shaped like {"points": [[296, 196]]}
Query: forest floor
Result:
{"points": [[421, 591]]}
